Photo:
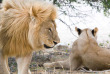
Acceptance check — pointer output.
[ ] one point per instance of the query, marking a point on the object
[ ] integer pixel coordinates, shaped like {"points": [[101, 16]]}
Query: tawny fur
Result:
{"points": [[25, 26], [85, 52], [15, 22]]}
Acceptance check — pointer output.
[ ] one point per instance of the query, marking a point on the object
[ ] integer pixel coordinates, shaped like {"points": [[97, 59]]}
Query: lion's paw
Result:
{"points": [[29, 72]]}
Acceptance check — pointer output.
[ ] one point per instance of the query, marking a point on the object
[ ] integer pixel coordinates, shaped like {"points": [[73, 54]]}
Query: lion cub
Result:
{"points": [[85, 52]]}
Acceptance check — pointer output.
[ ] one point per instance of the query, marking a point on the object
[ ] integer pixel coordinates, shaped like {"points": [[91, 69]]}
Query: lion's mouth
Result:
{"points": [[47, 46]]}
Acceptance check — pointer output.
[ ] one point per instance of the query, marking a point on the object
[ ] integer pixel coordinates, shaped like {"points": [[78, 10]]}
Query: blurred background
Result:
{"points": [[82, 14], [71, 14]]}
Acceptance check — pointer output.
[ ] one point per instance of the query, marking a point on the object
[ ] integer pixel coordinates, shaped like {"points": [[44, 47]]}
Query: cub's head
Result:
{"points": [[42, 28], [87, 33]]}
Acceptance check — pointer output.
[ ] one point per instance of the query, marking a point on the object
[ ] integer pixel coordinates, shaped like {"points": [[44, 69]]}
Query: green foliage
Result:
{"points": [[98, 4], [72, 0], [101, 44], [66, 51], [60, 3], [109, 35], [107, 41], [102, 4], [0, 1], [106, 4]]}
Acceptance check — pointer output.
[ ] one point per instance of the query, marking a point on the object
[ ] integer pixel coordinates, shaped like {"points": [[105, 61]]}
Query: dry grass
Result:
{"points": [[37, 68], [59, 71]]}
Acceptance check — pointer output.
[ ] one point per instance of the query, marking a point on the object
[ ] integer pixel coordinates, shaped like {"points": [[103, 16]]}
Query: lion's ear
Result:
{"points": [[78, 30], [94, 31], [32, 12], [42, 13], [7, 4]]}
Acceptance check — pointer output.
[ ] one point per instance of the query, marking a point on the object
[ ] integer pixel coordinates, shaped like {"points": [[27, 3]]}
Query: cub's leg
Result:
{"points": [[23, 64], [3, 65], [73, 62], [61, 64]]}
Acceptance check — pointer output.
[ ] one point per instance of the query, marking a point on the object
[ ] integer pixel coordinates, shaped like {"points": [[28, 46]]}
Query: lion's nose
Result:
{"points": [[55, 42]]}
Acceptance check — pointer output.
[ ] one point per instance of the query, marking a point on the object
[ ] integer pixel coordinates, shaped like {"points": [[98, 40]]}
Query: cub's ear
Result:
{"points": [[94, 31], [78, 30]]}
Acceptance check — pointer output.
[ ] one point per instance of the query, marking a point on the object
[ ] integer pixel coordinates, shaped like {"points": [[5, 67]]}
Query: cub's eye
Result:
{"points": [[93, 33]]}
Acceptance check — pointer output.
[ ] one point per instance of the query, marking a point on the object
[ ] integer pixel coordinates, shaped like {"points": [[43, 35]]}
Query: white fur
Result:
{"points": [[3, 65], [23, 65]]}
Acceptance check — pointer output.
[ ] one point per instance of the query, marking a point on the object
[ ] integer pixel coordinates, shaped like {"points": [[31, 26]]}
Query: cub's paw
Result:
{"points": [[47, 65]]}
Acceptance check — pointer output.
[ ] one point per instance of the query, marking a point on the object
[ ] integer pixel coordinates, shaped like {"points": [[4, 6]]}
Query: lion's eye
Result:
{"points": [[50, 30]]}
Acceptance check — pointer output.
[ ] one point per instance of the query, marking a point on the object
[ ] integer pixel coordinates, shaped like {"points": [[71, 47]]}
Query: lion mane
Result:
{"points": [[25, 26], [15, 18]]}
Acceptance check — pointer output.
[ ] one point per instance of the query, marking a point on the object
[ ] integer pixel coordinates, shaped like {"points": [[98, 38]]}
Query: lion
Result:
{"points": [[85, 53], [26, 26]]}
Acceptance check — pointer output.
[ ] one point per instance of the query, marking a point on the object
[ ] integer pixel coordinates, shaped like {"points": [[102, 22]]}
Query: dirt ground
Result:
{"points": [[73, 72], [68, 72], [37, 68], [55, 56]]}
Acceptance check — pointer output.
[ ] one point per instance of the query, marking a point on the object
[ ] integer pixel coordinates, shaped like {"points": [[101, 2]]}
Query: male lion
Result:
{"points": [[85, 52], [26, 26]]}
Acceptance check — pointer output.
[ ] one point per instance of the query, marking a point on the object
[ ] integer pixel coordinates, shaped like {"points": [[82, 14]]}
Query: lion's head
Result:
{"points": [[87, 33], [30, 26], [47, 36], [42, 32], [86, 38]]}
